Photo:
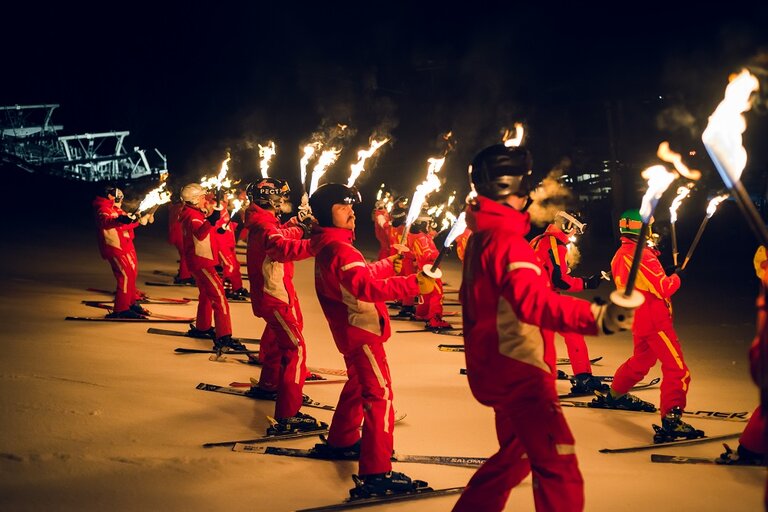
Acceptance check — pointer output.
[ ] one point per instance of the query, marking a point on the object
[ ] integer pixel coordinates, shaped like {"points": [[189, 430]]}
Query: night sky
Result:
{"points": [[195, 82]]}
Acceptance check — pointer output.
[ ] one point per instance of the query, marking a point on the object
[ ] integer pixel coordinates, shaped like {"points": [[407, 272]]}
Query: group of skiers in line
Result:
{"points": [[512, 306]]}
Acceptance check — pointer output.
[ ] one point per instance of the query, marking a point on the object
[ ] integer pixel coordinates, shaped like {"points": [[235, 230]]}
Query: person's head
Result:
{"points": [[194, 194], [631, 222], [398, 216], [422, 223], [569, 223], [332, 205], [503, 174], [269, 193], [110, 191]]}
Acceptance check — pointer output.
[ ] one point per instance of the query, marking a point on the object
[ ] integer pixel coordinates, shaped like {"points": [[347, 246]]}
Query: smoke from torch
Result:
{"points": [[266, 153], [363, 155]]}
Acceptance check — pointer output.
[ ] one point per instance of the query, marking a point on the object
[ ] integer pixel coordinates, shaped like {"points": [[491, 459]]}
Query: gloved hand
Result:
{"points": [[214, 217], [221, 230], [426, 283], [679, 271], [125, 219], [304, 214], [306, 228], [670, 269], [592, 282], [397, 262], [612, 318]]}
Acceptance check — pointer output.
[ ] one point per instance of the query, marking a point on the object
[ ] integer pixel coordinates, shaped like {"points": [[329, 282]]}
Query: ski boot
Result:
{"points": [[385, 484], [561, 375], [406, 312], [189, 281], [227, 344], [241, 294], [128, 313], [436, 323], [673, 428], [627, 402], [194, 332], [314, 376], [587, 384], [136, 308], [261, 393], [741, 457], [326, 451], [299, 423]]}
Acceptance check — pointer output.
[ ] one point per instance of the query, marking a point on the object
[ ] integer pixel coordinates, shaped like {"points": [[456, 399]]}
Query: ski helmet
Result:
{"points": [[499, 171], [422, 223], [192, 193], [326, 196], [630, 222], [569, 221], [398, 215], [110, 189], [268, 192]]}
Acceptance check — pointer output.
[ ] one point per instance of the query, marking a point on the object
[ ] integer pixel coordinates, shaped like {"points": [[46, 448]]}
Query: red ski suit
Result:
{"points": [[225, 242], [201, 252], [652, 331], [352, 294], [461, 243], [116, 246], [272, 249], [424, 252], [551, 248], [382, 227], [176, 237], [505, 300]]}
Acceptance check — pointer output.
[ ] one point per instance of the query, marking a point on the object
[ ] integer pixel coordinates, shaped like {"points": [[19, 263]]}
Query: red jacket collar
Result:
{"points": [[323, 236], [487, 214]]}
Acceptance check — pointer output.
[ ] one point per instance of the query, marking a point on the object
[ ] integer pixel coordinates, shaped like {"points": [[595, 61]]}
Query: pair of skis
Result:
{"points": [[145, 300], [169, 332], [152, 318]]}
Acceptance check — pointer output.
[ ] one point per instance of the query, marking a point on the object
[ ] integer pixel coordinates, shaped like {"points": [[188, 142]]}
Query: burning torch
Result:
{"points": [[711, 209], [458, 228], [266, 153], [153, 199], [682, 193], [363, 155], [429, 185], [218, 181]]}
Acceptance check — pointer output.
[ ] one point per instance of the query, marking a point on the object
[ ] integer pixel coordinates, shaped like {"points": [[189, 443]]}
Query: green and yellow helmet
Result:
{"points": [[630, 222]]}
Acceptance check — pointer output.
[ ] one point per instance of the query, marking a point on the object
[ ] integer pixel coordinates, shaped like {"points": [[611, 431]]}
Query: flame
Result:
{"points": [[309, 152], [682, 193], [714, 203], [155, 197], [448, 220], [362, 156], [722, 137], [451, 198], [517, 139], [675, 159], [380, 192], [220, 180], [326, 159], [459, 225], [266, 153], [429, 185], [236, 205], [659, 179]]}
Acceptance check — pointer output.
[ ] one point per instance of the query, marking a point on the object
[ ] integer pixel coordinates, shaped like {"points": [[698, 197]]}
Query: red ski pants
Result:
{"points": [[577, 350], [125, 269], [212, 305], [661, 346], [533, 437], [184, 272], [367, 399], [431, 304], [231, 266], [753, 437]]}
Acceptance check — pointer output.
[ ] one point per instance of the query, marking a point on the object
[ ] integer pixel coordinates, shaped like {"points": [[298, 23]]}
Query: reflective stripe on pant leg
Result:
{"points": [[220, 306], [382, 383], [300, 363]]}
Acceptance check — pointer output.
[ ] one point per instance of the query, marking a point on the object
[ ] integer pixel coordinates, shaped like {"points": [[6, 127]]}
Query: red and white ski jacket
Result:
{"points": [[272, 249], [655, 314], [505, 301], [115, 238], [200, 247], [352, 292], [423, 250], [551, 247], [225, 240]]}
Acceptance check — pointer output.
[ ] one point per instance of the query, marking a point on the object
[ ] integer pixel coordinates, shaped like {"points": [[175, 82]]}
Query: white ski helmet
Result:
{"points": [[192, 193]]}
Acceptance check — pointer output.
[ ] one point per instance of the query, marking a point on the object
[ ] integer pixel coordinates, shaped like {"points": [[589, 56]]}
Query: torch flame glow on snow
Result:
{"points": [[155, 197], [326, 159], [675, 159], [517, 139], [429, 185], [363, 155], [682, 193], [722, 137], [659, 179], [266, 153], [714, 203]]}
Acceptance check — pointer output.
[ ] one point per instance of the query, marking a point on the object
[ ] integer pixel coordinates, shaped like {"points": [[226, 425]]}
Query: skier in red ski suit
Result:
{"points": [[272, 249], [506, 300], [115, 236], [382, 228], [225, 242], [552, 248], [199, 219], [397, 244], [653, 336], [176, 238], [352, 295]]}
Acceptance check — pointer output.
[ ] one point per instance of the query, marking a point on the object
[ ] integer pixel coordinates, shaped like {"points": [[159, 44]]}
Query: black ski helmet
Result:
{"points": [[110, 189], [268, 192], [499, 171], [328, 195]]}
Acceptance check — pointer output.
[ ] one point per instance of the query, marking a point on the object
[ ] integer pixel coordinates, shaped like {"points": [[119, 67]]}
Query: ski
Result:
{"points": [[565, 360], [706, 415], [451, 348], [164, 273], [680, 442], [426, 492], [561, 375], [267, 438], [145, 300], [245, 300], [639, 385], [324, 371], [684, 459], [464, 462], [161, 283], [169, 332], [108, 307], [184, 350], [412, 319], [134, 320], [243, 392], [317, 380], [430, 330]]}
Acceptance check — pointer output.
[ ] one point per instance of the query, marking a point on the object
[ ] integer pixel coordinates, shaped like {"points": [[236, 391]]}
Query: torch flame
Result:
{"points": [[220, 180], [458, 228], [517, 139], [155, 197], [429, 185], [714, 203], [309, 152], [236, 205], [362, 156], [675, 159], [266, 153], [659, 179], [682, 193], [326, 159], [722, 137], [380, 192]]}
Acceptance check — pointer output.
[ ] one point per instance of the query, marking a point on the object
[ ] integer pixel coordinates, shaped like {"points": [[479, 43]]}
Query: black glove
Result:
{"points": [[214, 217], [125, 219], [307, 229], [679, 271], [670, 269], [219, 269], [221, 231], [592, 282]]}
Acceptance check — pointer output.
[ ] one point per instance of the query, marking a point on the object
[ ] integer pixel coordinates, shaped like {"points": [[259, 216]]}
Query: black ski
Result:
{"points": [[245, 300], [244, 392], [109, 307], [158, 300], [451, 348], [565, 360], [161, 283], [266, 438], [464, 462], [684, 459], [129, 320], [651, 446], [169, 332], [184, 350], [706, 415], [426, 492], [145, 300], [561, 375], [639, 385], [430, 330]]}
